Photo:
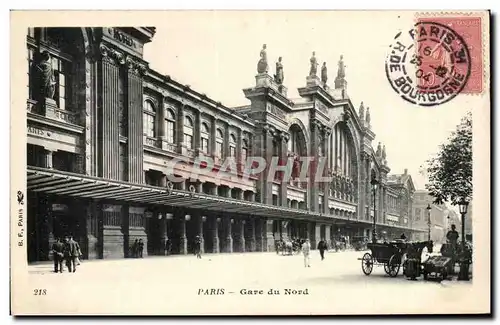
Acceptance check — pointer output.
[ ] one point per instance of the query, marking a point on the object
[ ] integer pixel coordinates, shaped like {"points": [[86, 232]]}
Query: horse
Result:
{"points": [[287, 248], [412, 253]]}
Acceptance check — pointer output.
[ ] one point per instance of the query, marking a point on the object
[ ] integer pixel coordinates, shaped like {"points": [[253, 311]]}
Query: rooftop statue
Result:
{"points": [[341, 71], [262, 66], [279, 77], [379, 150], [324, 74], [314, 66]]}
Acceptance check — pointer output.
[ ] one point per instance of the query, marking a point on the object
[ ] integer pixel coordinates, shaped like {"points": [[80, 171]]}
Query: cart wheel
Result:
{"points": [[367, 264], [386, 268], [393, 266]]}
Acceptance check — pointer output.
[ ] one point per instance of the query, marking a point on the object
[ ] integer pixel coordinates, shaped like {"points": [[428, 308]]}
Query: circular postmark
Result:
{"points": [[428, 65]]}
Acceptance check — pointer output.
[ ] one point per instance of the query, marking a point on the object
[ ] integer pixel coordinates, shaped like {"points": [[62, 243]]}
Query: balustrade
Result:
{"points": [[53, 113]]}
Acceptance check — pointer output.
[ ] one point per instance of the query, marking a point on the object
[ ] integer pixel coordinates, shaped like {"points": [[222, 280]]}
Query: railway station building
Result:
{"points": [[102, 135]]}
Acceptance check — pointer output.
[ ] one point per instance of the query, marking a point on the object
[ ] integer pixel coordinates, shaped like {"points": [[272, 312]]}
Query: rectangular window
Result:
{"points": [[170, 132], [243, 154], [204, 145], [218, 149], [188, 141], [62, 77], [149, 125], [232, 151]]}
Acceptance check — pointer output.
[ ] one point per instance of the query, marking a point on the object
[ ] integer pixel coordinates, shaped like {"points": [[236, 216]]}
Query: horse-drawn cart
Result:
{"points": [[387, 254]]}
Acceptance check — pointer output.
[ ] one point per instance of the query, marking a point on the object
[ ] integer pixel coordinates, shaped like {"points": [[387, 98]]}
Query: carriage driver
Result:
{"points": [[452, 236]]}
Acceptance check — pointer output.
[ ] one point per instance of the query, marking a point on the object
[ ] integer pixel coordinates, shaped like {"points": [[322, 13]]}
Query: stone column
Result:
{"points": [[328, 235], [241, 235], [239, 143], [263, 147], [47, 159], [163, 232], [92, 228], [213, 132], [326, 185], [270, 236], [228, 243], [309, 231], [182, 234], [199, 231], [135, 133], [283, 152], [313, 187], [214, 190], [197, 133], [109, 114], [251, 234], [215, 234], [180, 129], [317, 234], [259, 239], [199, 187]]}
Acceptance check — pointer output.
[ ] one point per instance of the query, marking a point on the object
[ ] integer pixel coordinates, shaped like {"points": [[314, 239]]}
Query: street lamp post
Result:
{"points": [[374, 183], [464, 260], [428, 222]]}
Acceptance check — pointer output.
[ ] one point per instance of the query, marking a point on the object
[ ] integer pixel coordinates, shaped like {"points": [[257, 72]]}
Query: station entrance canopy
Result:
{"points": [[76, 185]]}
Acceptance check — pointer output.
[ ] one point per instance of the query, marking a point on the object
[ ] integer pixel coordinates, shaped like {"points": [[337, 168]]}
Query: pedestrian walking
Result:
{"points": [[72, 252], [322, 247], [197, 246], [306, 250], [140, 247], [58, 253]]}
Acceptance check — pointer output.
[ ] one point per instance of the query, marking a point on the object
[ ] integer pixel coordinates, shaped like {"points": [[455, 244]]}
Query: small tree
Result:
{"points": [[450, 172]]}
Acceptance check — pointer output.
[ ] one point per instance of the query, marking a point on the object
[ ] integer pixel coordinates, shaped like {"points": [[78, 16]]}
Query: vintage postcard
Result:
{"points": [[250, 162]]}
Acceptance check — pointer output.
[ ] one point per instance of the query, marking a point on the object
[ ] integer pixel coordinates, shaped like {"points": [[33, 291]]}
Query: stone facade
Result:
{"points": [[115, 118]]}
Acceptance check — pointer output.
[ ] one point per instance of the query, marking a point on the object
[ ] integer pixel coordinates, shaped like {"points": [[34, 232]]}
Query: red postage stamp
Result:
{"points": [[469, 29], [437, 58]]}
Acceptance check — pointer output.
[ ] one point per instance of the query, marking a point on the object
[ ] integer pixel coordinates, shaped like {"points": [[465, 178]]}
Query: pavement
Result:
{"points": [[246, 283]]}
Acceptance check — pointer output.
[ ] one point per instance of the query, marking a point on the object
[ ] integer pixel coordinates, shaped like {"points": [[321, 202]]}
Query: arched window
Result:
{"points": [[232, 145], [219, 140], [169, 124], [205, 136], [149, 117], [188, 132], [244, 150]]}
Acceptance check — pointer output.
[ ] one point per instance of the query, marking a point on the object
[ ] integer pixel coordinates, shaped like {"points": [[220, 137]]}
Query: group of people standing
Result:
{"points": [[66, 250], [137, 248]]}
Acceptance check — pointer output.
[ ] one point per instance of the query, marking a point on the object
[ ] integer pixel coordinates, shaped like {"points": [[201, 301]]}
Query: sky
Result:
{"points": [[216, 53]]}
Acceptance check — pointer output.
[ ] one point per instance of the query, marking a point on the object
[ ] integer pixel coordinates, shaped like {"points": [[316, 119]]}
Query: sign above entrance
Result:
{"points": [[122, 40]]}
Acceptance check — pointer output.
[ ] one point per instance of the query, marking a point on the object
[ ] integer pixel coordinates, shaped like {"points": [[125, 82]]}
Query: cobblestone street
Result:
{"points": [[178, 285]]}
